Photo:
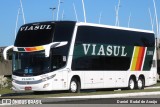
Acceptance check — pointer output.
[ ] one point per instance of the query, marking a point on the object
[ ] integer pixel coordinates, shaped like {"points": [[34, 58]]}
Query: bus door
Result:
{"points": [[57, 63]]}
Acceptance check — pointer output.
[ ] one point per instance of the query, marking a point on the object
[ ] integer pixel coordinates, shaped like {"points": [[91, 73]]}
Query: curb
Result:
{"points": [[60, 100], [114, 95], [156, 87]]}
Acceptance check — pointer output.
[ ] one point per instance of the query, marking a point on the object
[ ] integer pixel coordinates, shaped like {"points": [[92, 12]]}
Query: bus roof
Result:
{"points": [[95, 25], [113, 27]]}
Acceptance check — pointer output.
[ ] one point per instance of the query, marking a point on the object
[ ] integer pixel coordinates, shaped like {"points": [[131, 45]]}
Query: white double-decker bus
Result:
{"points": [[68, 55]]}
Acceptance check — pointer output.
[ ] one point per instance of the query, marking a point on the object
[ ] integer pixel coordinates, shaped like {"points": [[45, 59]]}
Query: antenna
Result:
{"points": [[15, 32], [117, 13], [100, 16], [84, 12], [63, 14], [159, 29], [16, 23], [155, 10], [59, 1], [22, 12], [52, 12], [75, 12], [129, 20], [151, 18]]}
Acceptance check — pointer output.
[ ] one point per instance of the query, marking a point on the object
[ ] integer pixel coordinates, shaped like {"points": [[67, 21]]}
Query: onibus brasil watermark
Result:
{"points": [[20, 101]]}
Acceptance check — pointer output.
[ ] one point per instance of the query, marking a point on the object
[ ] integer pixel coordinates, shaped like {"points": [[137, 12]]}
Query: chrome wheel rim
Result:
{"points": [[73, 86], [140, 83], [131, 84]]}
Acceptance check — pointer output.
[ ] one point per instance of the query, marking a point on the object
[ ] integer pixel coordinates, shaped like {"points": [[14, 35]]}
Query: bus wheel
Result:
{"points": [[131, 84], [74, 86], [140, 83]]}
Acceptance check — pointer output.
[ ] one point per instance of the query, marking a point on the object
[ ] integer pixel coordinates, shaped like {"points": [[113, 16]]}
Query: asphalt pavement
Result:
{"points": [[108, 99]]}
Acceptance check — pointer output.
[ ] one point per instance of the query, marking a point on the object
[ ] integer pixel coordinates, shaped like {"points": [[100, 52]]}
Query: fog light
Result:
{"points": [[45, 85]]}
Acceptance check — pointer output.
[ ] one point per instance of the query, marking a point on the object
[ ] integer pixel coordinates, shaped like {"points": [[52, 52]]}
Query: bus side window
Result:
{"points": [[58, 61]]}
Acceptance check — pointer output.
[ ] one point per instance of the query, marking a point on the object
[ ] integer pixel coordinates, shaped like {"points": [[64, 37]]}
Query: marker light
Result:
{"points": [[45, 85]]}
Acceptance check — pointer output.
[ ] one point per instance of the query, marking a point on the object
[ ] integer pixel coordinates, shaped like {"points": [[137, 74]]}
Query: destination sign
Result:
{"points": [[36, 27]]}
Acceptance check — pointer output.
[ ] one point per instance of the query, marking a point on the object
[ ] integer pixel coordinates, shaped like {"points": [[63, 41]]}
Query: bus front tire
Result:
{"points": [[74, 86], [131, 84]]}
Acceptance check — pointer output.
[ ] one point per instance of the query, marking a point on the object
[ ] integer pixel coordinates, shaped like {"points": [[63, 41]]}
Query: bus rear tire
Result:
{"points": [[140, 83], [74, 86], [131, 84]]}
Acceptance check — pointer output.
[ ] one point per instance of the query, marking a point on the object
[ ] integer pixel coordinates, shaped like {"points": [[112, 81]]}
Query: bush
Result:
{"points": [[4, 82]]}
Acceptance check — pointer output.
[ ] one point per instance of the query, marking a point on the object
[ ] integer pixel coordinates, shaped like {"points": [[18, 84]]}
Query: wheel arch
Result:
{"points": [[132, 76], [75, 84], [132, 85], [77, 77], [143, 77]]}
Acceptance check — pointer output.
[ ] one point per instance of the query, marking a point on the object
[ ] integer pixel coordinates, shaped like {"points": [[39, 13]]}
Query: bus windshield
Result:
{"points": [[35, 63], [35, 35], [30, 64]]}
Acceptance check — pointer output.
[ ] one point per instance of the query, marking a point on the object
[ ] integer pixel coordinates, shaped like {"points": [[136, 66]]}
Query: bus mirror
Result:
{"points": [[61, 44], [6, 50], [54, 45]]}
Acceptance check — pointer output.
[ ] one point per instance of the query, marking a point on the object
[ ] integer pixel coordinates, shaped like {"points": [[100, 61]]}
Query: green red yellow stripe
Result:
{"points": [[138, 57]]}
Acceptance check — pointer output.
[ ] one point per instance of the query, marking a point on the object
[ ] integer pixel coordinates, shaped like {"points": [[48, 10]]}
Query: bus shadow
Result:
{"points": [[16, 94]]}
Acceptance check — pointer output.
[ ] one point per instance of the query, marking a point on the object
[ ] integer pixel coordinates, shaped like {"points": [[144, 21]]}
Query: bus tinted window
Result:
{"points": [[44, 33], [88, 34], [95, 48], [101, 63], [35, 35], [64, 31]]}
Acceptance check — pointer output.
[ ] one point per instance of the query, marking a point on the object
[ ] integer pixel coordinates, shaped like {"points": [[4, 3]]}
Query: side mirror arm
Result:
{"points": [[6, 50], [53, 45]]}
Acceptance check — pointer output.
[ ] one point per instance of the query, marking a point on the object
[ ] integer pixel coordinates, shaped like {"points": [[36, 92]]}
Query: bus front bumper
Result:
{"points": [[43, 86]]}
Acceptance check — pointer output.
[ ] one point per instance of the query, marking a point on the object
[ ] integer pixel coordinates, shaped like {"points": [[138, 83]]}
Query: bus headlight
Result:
{"points": [[47, 78]]}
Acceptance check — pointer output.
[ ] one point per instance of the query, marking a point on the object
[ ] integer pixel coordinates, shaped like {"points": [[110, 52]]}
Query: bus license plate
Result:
{"points": [[28, 88]]}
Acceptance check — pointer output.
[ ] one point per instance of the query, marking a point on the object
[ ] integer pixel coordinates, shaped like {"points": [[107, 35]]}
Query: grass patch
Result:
{"points": [[5, 90], [158, 83]]}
